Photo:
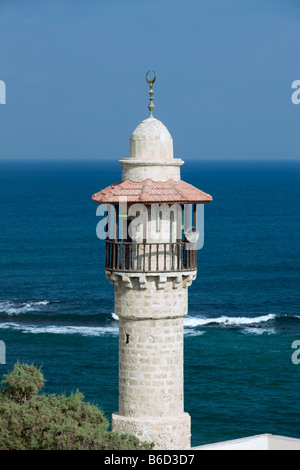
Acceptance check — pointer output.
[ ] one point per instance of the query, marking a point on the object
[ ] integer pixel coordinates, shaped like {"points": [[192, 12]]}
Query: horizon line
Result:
{"points": [[110, 160]]}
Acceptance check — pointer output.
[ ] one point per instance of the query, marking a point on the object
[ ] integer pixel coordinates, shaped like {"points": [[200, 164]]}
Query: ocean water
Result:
{"points": [[56, 307]]}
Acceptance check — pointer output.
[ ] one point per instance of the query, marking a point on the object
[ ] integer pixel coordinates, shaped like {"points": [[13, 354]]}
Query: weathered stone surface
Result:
{"points": [[151, 154], [172, 433], [150, 282], [163, 354], [151, 140], [151, 359], [156, 171]]}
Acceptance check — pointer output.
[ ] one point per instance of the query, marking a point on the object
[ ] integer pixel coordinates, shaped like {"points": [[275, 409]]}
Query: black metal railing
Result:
{"points": [[153, 257]]}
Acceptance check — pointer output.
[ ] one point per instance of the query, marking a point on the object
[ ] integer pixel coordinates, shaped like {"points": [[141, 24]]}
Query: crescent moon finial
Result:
{"points": [[150, 81], [151, 105]]}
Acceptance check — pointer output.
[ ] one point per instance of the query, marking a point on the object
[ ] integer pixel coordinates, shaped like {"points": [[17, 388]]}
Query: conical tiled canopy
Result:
{"points": [[151, 192]]}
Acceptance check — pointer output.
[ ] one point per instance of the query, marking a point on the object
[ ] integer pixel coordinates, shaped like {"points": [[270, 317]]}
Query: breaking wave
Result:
{"points": [[193, 322], [10, 307], [259, 331], [61, 329], [51, 317]]}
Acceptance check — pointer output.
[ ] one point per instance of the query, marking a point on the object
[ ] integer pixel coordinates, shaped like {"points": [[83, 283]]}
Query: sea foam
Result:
{"points": [[61, 330], [11, 307], [193, 322]]}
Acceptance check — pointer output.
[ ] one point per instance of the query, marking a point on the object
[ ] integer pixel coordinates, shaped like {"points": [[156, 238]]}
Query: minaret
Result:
{"points": [[151, 268]]}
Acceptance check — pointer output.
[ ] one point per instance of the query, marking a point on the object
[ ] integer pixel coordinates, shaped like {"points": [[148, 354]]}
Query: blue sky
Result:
{"points": [[75, 77]]}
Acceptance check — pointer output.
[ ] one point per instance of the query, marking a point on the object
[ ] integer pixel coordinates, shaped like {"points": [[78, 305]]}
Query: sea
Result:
{"points": [[241, 371]]}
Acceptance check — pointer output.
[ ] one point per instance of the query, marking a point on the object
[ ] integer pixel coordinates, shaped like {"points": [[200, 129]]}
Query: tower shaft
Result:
{"points": [[151, 360]]}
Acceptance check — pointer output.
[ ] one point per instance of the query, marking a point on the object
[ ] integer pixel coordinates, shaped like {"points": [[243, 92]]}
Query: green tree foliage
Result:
{"points": [[29, 421]]}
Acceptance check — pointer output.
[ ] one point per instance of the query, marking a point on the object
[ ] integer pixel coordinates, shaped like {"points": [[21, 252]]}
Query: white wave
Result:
{"points": [[73, 330], [16, 308], [189, 332], [259, 331], [61, 330], [192, 322]]}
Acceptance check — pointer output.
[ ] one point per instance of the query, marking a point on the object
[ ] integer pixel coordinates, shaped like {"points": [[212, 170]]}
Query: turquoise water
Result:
{"points": [[56, 305]]}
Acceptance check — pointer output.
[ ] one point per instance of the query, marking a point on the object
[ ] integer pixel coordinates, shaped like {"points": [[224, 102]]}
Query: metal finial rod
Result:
{"points": [[151, 105]]}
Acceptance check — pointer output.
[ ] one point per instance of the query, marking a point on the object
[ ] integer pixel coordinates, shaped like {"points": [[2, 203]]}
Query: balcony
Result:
{"points": [[150, 257]]}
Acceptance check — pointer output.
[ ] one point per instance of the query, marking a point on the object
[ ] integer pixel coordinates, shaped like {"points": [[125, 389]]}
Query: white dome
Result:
{"points": [[151, 154], [150, 141]]}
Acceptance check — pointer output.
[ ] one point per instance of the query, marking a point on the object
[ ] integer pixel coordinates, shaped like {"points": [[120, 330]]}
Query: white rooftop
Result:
{"points": [[259, 442]]}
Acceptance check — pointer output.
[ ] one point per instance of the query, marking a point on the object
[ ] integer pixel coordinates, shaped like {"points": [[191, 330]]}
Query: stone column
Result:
{"points": [[151, 309]]}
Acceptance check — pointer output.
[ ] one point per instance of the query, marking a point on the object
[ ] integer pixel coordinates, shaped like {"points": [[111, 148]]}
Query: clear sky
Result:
{"points": [[75, 77]]}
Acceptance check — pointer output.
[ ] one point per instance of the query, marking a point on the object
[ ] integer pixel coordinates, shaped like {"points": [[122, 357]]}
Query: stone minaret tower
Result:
{"points": [[151, 268]]}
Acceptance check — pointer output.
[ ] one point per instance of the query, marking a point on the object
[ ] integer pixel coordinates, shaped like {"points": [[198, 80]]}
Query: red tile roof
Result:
{"points": [[150, 192]]}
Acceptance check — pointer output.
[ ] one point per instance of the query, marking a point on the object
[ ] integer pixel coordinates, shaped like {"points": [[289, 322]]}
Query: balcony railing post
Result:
{"points": [[117, 257], [130, 257], [195, 257], [107, 246], [165, 257], [138, 256], [113, 254], [122, 248], [144, 256], [172, 257]]}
